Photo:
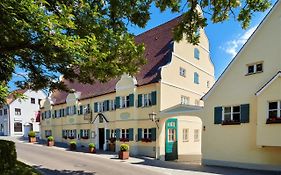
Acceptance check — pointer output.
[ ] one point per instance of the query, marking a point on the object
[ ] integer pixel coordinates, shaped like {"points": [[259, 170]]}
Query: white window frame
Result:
{"points": [[146, 100], [172, 135], [112, 133], [100, 106], [17, 112], [185, 100], [185, 135], [111, 105], [278, 108], [123, 101], [125, 132], [147, 133], [196, 81], [196, 135], [231, 112], [85, 133], [255, 68], [182, 72]]}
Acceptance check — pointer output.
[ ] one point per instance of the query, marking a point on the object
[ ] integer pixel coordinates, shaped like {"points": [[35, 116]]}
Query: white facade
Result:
{"points": [[18, 117]]}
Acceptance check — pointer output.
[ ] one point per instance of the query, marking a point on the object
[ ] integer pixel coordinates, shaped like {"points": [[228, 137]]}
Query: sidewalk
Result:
{"points": [[172, 167]]}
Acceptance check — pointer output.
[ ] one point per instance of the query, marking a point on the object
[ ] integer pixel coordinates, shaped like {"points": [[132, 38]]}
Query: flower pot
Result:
{"points": [[50, 143], [124, 155], [92, 150], [112, 147], [32, 139], [72, 147]]}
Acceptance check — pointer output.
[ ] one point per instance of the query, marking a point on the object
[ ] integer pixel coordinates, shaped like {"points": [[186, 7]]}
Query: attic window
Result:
{"points": [[255, 68]]}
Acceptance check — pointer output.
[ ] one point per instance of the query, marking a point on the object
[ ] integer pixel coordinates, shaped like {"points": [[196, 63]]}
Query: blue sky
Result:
{"points": [[225, 38]]}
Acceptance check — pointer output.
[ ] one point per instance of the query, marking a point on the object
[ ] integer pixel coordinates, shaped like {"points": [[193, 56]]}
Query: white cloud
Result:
{"points": [[233, 46]]}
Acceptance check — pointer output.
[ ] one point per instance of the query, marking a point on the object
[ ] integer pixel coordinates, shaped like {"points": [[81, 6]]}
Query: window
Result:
{"points": [[231, 114], [17, 111], [147, 99], [71, 133], [182, 72], [185, 100], [18, 127], [208, 84], [196, 78], [185, 135], [125, 133], [1, 112], [124, 101], [197, 102], [112, 133], [48, 133], [111, 105], [32, 100], [255, 68], [274, 110], [72, 110], [100, 107], [196, 135], [5, 111], [39, 101], [171, 135], [196, 53], [84, 133], [147, 133]]}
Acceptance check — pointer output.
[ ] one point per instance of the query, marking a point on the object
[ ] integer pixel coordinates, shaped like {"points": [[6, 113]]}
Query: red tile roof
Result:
{"points": [[158, 49], [11, 96]]}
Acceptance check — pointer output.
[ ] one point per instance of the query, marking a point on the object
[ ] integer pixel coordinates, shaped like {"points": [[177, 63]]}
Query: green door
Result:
{"points": [[171, 146]]}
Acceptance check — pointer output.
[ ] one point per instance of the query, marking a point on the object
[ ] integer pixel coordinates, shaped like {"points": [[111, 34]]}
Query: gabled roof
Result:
{"points": [[240, 51], [158, 49], [11, 98], [268, 83], [180, 109]]}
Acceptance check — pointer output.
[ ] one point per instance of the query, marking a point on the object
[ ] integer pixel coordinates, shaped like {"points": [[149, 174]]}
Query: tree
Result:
{"points": [[88, 40]]}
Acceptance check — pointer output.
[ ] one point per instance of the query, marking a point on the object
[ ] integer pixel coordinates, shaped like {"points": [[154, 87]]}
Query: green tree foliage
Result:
{"points": [[88, 40]]}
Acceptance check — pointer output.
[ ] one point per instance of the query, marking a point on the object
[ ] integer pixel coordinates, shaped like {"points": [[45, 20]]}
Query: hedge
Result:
{"points": [[8, 155]]}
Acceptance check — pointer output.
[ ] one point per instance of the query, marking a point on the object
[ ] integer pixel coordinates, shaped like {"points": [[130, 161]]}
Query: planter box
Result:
{"points": [[124, 155], [50, 143], [92, 150], [112, 147], [32, 139], [72, 147]]}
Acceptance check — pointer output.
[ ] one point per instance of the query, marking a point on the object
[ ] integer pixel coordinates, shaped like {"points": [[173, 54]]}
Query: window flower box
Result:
{"points": [[231, 122], [71, 137], [273, 120], [124, 140], [146, 140], [85, 137], [65, 137]]}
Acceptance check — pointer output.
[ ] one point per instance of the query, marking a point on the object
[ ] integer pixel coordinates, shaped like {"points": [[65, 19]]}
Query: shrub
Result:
{"points": [[124, 147], [8, 155], [92, 145], [31, 134], [50, 138]]}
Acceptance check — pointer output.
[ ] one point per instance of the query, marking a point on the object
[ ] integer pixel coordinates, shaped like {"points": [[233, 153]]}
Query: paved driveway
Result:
{"points": [[59, 161]]}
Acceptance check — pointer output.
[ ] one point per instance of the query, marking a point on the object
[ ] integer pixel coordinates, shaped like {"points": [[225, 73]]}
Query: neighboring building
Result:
{"points": [[19, 116], [176, 72], [242, 111]]}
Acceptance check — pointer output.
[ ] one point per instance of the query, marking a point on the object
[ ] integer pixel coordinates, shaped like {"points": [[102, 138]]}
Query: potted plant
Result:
{"points": [[32, 136], [72, 146], [124, 151], [92, 148], [112, 141], [50, 141]]}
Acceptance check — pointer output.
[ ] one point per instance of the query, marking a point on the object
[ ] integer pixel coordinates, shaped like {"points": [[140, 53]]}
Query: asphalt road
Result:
{"points": [[56, 162]]}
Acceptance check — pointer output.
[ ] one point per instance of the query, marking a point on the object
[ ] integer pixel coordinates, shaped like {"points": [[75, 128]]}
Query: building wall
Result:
{"points": [[236, 145]]}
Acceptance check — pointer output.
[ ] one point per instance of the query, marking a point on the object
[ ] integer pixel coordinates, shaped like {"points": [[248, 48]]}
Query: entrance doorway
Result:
{"points": [[101, 138], [171, 141]]}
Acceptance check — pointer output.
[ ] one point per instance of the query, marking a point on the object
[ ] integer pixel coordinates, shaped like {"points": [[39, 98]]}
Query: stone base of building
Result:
{"points": [[266, 167]]}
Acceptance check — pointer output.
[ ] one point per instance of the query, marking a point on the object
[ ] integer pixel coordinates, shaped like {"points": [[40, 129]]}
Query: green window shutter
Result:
{"points": [[81, 133], [245, 113], [117, 134], [107, 134], [74, 109], [140, 100], [81, 110], [131, 100], [107, 105], [89, 134], [67, 110], [218, 115], [95, 107], [153, 134], [139, 134], [153, 98], [117, 102], [131, 134], [74, 131]]}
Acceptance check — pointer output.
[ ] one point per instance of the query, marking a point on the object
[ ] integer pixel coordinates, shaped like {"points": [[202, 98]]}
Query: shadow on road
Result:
{"points": [[201, 168], [47, 171]]}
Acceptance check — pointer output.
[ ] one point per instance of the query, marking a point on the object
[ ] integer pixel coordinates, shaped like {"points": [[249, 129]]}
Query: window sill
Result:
{"points": [[253, 73], [230, 123], [273, 121]]}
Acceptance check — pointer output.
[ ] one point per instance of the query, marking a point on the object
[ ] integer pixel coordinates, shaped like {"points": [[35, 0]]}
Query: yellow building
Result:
{"points": [[242, 111], [111, 113]]}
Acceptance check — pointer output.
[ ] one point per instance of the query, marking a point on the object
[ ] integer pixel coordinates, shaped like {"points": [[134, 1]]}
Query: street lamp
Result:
{"points": [[32, 120], [152, 117]]}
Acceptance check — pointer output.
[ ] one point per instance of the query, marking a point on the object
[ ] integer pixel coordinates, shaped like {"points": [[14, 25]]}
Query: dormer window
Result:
{"points": [[255, 68]]}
